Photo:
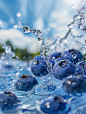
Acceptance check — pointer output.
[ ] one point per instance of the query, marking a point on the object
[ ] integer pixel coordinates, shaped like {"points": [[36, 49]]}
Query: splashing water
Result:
{"points": [[50, 87]]}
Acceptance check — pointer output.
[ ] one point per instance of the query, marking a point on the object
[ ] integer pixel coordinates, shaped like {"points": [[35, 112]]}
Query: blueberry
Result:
{"points": [[75, 54], [55, 105], [39, 66], [63, 68], [81, 68], [54, 56], [25, 83], [74, 84], [8, 101]]}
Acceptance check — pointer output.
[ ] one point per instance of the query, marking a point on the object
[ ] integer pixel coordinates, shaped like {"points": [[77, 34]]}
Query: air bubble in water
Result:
{"points": [[26, 29]]}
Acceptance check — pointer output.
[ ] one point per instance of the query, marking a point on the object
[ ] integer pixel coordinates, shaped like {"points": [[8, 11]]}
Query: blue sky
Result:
{"points": [[51, 16]]}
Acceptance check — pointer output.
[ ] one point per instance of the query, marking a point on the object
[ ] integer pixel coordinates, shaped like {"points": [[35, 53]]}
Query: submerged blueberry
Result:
{"points": [[39, 66], [74, 84], [63, 68], [75, 54], [25, 83], [55, 105], [8, 101]]}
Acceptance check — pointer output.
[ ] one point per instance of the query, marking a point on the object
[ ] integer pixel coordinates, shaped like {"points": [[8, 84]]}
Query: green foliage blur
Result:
{"points": [[21, 53]]}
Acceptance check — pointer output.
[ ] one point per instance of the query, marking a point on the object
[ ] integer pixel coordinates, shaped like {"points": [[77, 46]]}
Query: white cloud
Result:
{"points": [[3, 24], [19, 40], [38, 24]]}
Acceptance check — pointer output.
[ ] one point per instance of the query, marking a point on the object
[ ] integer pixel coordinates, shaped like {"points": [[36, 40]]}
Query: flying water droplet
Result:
{"points": [[84, 29], [39, 37], [46, 48], [43, 43], [37, 32], [26, 29]]}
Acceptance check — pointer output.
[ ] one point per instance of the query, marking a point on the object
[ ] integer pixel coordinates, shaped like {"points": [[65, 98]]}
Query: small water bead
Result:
{"points": [[37, 32], [80, 25], [43, 43], [46, 48], [26, 29], [2, 55], [74, 56], [46, 79], [39, 38], [76, 17], [42, 51], [84, 29], [49, 87]]}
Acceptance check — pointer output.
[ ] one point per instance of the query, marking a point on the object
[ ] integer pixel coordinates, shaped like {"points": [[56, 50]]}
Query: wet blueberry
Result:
{"points": [[55, 105], [74, 84], [39, 66], [63, 68], [75, 54], [25, 83], [8, 101]]}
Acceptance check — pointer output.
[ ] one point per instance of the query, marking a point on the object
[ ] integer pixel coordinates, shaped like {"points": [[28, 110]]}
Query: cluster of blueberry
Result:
{"points": [[68, 67]]}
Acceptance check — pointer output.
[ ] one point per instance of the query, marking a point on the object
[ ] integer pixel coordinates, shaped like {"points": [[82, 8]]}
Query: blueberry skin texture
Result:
{"points": [[10, 101], [55, 105], [63, 68], [74, 84], [39, 66], [65, 57], [81, 68], [25, 84], [72, 52], [53, 57]]}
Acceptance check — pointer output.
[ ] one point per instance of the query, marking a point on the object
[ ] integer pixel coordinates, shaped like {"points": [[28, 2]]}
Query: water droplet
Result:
{"points": [[37, 32], [84, 29], [49, 87], [39, 37], [74, 56], [43, 43], [26, 29], [80, 25], [46, 48], [21, 68]]}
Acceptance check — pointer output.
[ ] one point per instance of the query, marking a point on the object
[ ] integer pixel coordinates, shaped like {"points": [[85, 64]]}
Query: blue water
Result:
{"points": [[48, 86]]}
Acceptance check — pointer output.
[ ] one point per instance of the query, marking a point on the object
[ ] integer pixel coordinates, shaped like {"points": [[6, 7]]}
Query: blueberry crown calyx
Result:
{"points": [[72, 51], [23, 76], [59, 99], [8, 92], [63, 63]]}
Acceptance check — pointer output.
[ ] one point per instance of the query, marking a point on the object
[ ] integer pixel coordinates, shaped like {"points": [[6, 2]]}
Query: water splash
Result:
{"points": [[44, 46], [81, 15], [76, 6]]}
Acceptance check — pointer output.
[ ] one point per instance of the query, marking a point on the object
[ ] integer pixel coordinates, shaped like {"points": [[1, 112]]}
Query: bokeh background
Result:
{"points": [[50, 16]]}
